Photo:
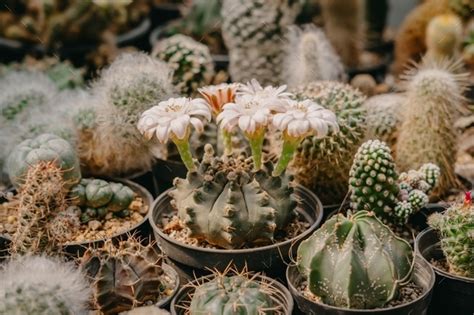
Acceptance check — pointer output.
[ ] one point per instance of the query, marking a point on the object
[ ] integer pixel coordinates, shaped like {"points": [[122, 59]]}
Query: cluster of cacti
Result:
{"points": [[42, 286], [310, 57], [456, 230], [124, 275], [434, 96], [384, 116], [355, 261], [227, 204], [323, 164], [343, 23], [376, 186], [443, 37], [190, 61], [253, 32], [97, 197], [113, 145]]}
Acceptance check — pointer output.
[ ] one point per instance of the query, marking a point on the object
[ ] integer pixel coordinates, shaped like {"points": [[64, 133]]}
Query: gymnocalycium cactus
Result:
{"points": [[233, 201], [42, 286], [45, 147], [443, 37], [124, 276], [190, 60], [376, 186], [355, 261], [456, 230]]}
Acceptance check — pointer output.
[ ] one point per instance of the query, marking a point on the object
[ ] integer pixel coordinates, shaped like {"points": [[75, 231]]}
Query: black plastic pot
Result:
{"points": [[271, 258], [165, 171], [281, 295], [423, 276], [452, 294]]}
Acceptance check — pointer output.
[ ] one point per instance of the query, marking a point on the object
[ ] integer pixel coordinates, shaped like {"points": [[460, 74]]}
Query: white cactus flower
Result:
{"points": [[172, 118], [219, 95], [303, 118], [272, 97]]}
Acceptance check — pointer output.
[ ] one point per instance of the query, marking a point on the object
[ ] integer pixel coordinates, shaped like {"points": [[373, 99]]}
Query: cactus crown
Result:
{"points": [[456, 229], [355, 261], [444, 36], [124, 276], [229, 205], [42, 286]]}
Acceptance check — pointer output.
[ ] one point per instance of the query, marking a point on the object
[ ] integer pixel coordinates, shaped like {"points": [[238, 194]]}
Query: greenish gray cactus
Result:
{"points": [[355, 261], [42, 286], [456, 230], [190, 60], [227, 204], [45, 147]]}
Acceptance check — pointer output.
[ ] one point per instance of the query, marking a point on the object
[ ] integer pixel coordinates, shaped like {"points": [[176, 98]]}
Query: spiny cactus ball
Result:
{"points": [[42, 286], [444, 36], [190, 61]]}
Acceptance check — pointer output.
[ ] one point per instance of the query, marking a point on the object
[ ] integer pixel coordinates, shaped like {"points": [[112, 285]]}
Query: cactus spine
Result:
{"points": [[355, 261], [443, 37], [456, 229], [434, 94]]}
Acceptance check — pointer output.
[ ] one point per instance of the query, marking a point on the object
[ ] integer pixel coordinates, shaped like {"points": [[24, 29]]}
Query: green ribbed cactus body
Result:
{"points": [[228, 295], [323, 164], [456, 229], [355, 261], [229, 205]]}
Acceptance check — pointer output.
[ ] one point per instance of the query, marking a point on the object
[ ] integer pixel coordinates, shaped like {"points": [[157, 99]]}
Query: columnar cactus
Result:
{"points": [[443, 37], [190, 60], [253, 31], [228, 205], [310, 57], [323, 164], [355, 261], [124, 276], [456, 230], [434, 95], [42, 286]]}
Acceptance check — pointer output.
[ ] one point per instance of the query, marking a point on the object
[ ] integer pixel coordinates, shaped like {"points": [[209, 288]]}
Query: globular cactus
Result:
{"points": [[190, 60], [64, 226], [456, 230], [355, 261], [42, 286], [323, 164], [124, 275], [343, 23], [365, 83], [384, 117], [434, 96], [443, 37], [253, 31], [133, 83], [46, 148], [310, 57], [227, 204]]}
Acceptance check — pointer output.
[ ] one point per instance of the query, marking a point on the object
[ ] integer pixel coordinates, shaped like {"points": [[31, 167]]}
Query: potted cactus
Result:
{"points": [[233, 292], [355, 264], [448, 246], [232, 207]]}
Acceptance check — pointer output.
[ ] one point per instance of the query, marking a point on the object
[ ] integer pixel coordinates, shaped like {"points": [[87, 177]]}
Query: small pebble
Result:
{"points": [[11, 219], [94, 225]]}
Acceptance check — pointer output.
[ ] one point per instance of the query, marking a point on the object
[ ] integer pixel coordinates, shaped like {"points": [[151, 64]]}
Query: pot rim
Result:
{"points": [[307, 232], [436, 269], [356, 310], [259, 276], [168, 269]]}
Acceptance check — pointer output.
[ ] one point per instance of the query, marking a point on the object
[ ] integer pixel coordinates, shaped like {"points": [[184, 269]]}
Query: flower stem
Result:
{"points": [[185, 153], [227, 139], [289, 147], [256, 145]]}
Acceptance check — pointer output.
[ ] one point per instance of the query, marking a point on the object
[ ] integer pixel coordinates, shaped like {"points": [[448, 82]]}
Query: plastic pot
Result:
{"points": [[281, 295], [271, 258], [452, 294], [423, 276]]}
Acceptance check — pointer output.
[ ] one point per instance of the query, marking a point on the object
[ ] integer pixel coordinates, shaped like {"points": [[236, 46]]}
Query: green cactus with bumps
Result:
{"points": [[190, 60], [124, 275], [355, 261], [42, 286], [456, 230], [443, 37], [323, 164], [229, 205], [235, 294]]}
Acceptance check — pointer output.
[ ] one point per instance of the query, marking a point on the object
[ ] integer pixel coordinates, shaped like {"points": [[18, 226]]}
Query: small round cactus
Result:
{"points": [[444, 36]]}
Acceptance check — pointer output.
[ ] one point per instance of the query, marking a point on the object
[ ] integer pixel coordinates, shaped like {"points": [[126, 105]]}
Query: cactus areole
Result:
{"points": [[355, 262]]}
